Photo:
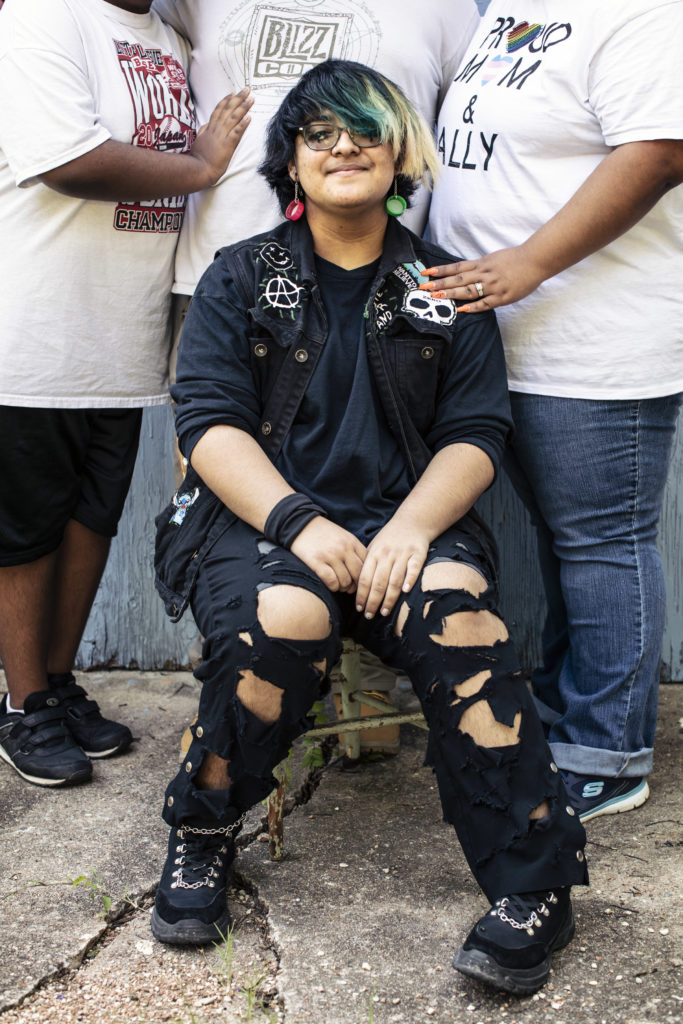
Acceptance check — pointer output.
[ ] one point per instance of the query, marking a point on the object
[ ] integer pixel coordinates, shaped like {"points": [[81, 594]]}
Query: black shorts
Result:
{"points": [[62, 464]]}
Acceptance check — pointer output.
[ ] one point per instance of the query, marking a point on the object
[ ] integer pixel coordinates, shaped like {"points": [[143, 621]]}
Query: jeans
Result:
{"points": [[489, 790], [592, 475]]}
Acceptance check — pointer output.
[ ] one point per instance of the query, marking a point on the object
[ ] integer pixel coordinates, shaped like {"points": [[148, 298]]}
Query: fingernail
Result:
{"points": [[428, 287], [429, 270], [405, 588], [438, 295], [385, 611], [368, 615], [463, 309], [359, 607]]}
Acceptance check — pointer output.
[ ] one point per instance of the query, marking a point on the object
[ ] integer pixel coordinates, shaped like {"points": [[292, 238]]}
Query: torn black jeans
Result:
{"points": [[487, 793]]}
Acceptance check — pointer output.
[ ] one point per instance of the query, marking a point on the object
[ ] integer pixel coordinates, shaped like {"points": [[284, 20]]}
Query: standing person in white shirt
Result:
{"points": [[561, 140], [98, 148]]}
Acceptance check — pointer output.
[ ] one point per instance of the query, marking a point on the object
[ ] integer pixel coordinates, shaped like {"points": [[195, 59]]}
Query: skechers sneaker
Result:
{"points": [[38, 743], [592, 795], [191, 906], [98, 736], [511, 947]]}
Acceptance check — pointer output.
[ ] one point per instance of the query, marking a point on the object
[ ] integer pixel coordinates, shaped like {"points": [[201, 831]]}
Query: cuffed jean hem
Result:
{"points": [[613, 764]]}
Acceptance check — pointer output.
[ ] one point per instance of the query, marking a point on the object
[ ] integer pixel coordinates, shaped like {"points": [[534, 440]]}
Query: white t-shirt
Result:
{"points": [[268, 45], [85, 290], [545, 91]]}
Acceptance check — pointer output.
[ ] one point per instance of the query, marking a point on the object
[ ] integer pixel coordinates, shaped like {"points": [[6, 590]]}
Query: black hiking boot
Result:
{"points": [[511, 947], [191, 906]]}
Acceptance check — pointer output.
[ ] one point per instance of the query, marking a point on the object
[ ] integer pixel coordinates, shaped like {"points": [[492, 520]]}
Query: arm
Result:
{"points": [[614, 197], [236, 468], [454, 479], [122, 172]]}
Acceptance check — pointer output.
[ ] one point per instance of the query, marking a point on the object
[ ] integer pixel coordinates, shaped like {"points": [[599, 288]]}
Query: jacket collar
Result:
{"points": [[398, 247]]}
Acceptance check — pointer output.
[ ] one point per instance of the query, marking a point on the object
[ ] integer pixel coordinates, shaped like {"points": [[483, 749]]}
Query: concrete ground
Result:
{"points": [[356, 926]]}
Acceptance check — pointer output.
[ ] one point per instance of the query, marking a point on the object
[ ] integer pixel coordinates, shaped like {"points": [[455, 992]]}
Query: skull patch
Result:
{"points": [[438, 311]]}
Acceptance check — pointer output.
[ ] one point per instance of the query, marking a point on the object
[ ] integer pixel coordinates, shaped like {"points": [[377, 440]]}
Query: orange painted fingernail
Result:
{"points": [[463, 309], [438, 295], [429, 270], [428, 287]]}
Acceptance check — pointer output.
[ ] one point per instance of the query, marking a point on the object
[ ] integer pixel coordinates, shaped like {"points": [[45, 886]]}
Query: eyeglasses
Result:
{"points": [[321, 135]]}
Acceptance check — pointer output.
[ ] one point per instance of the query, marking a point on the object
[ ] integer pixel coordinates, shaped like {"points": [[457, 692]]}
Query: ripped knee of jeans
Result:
{"points": [[285, 613]]}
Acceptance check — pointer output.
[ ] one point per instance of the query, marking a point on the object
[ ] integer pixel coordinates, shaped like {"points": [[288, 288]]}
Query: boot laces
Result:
{"points": [[200, 859]]}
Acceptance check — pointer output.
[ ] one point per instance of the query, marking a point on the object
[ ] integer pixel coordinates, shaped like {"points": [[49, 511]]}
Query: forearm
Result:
{"points": [[120, 172], [237, 469], [618, 193], [454, 479]]}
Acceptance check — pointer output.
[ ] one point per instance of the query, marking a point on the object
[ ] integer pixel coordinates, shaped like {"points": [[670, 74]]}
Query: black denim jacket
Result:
{"points": [[251, 342]]}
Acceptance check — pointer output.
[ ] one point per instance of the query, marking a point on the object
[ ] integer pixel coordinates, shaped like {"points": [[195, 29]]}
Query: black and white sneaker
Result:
{"points": [[191, 906], [511, 947], [98, 736], [38, 743]]}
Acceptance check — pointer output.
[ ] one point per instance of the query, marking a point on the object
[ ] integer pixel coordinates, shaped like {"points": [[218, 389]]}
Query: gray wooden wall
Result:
{"points": [[128, 626]]}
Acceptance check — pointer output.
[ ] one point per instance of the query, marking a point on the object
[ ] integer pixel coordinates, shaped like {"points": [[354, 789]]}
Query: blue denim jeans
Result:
{"points": [[592, 475]]}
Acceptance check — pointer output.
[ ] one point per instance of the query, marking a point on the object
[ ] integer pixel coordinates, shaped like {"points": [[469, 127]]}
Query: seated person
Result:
{"points": [[340, 427]]}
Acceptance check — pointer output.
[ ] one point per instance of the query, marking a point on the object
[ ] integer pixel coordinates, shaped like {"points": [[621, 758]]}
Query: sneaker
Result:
{"points": [[511, 947], [592, 795], [98, 736], [38, 743], [191, 904]]}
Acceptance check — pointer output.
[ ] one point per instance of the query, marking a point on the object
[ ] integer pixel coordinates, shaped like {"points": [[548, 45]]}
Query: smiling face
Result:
{"points": [[347, 178]]}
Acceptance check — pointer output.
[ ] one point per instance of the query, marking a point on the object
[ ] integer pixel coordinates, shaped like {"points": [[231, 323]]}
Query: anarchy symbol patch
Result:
{"points": [[281, 293]]}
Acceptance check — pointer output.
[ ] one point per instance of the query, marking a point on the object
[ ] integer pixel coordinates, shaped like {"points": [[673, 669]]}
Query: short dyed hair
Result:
{"points": [[362, 99]]}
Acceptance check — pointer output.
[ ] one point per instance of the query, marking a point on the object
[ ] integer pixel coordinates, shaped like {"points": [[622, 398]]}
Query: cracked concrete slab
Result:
{"points": [[363, 915], [109, 832], [374, 898]]}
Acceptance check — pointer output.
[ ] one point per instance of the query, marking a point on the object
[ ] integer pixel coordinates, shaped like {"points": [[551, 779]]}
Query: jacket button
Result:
{"points": [[301, 355], [261, 350], [188, 767], [199, 732], [266, 428], [427, 352]]}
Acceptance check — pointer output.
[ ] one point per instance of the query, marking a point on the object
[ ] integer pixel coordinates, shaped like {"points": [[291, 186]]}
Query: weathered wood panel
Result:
{"points": [[128, 625]]}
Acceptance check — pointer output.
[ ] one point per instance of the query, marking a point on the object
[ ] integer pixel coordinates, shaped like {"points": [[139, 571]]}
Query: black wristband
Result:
{"points": [[288, 518]]}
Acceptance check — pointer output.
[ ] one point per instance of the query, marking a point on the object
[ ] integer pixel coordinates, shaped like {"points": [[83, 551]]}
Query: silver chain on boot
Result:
{"points": [[533, 918], [227, 831]]}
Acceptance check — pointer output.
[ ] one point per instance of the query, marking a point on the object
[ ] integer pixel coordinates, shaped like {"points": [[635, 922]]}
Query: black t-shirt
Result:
{"points": [[340, 450]]}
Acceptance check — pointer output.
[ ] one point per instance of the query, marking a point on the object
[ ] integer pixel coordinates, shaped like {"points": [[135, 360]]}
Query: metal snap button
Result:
{"points": [[427, 352], [52, 702], [579, 856], [260, 350], [570, 811], [266, 428], [170, 801], [553, 767], [188, 766], [301, 355], [199, 732]]}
